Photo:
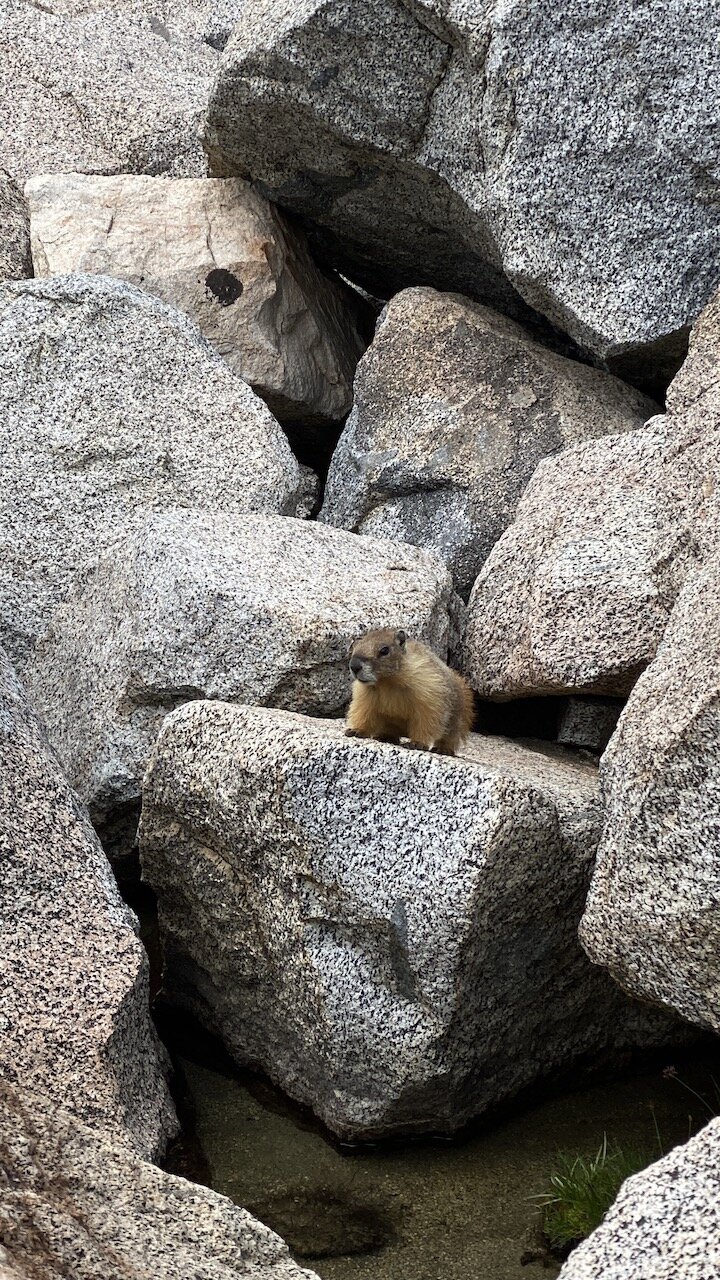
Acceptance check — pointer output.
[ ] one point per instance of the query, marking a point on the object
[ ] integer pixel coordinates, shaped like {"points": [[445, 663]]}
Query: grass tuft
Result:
{"points": [[580, 1192]]}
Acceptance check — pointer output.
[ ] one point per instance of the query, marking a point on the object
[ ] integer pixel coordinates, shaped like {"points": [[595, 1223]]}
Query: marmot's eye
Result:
{"points": [[383, 653]]}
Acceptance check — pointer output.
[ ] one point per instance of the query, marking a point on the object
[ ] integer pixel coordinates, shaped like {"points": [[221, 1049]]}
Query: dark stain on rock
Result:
{"points": [[223, 285], [324, 77], [322, 1223]]}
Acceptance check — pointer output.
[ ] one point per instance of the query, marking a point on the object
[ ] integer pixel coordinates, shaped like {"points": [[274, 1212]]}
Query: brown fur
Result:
{"points": [[409, 693]]}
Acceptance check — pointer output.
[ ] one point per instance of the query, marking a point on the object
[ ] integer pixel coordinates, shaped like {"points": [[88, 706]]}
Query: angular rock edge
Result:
{"points": [[391, 935], [75, 1204], [664, 1224], [74, 975]]}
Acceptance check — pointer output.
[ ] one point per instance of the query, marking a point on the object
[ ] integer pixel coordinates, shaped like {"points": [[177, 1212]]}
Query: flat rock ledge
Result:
{"points": [[390, 935], [76, 1204]]}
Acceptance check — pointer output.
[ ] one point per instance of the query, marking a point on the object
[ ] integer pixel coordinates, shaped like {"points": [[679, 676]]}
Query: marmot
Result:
{"points": [[403, 690]]}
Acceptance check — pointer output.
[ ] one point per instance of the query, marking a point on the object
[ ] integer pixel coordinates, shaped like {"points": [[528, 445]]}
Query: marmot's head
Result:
{"points": [[376, 655]]}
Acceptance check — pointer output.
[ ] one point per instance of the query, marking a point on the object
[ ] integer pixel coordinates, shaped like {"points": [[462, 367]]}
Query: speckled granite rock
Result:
{"points": [[111, 404], [9, 1270], [76, 1204], [74, 1000], [503, 153], [217, 250], [454, 408], [101, 92], [665, 1223], [577, 593], [248, 609], [653, 915], [589, 722], [394, 983], [15, 259], [211, 21]]}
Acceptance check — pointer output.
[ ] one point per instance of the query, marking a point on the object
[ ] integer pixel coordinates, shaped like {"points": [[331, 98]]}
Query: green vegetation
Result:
{"points": [[581, 1191]]}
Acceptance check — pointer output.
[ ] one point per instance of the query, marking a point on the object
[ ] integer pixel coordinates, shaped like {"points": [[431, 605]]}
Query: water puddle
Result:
{"points": [[423, 1210]]}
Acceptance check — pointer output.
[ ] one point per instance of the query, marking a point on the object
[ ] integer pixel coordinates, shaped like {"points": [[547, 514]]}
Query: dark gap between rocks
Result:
{"points": [[314, 445], [521, 718]]}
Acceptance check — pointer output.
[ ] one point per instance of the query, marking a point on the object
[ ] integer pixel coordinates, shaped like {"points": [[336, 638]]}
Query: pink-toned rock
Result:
{"points": [[76, 1204], [217, 250]]}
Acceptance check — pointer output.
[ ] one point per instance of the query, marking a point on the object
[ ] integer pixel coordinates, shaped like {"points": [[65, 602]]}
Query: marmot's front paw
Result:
{"points": [[353, 733], [417, 746]]}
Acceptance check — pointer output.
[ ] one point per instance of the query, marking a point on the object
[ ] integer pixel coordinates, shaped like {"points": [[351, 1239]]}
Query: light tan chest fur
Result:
{"points": [[415, 701]]}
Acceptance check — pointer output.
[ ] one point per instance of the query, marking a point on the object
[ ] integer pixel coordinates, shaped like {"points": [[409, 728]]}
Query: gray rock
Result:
{"points": [[99, 92], [218, 251], [653, 915], [665, 1223], [454, 408], [589, 722], [544, 157], [577, 593], [112, 405], [75, 1203], [211, 21], [391, 935], [74, 1000], [15, 258], [309, 494], [247, 609]]}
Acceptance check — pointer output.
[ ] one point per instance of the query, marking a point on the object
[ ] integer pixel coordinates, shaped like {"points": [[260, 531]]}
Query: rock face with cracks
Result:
{"points": [[243, 608], [503, 153], [220, 252], [15, 259], [99, 92], [653, 913], [392, 982], [77, 1204], [577, 593], [112, 405], [454, 408], [73, 975], [665, 1223]]}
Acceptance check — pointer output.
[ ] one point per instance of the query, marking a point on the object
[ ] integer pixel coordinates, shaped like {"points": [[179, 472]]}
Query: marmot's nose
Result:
{"points": [[356, 666]]}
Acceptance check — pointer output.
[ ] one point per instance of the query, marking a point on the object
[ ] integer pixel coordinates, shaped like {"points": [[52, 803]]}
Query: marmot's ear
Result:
{"points": [[401, 638]]}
